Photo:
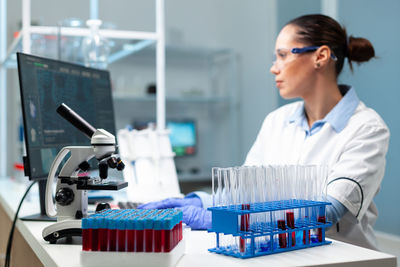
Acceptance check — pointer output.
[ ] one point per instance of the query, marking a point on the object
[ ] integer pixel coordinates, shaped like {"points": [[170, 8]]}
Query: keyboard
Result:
{"points": [[128, 204]]}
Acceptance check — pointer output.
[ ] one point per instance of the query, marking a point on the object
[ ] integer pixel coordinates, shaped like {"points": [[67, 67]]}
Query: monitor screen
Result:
{"points": [[45, 84], [183, 135]]}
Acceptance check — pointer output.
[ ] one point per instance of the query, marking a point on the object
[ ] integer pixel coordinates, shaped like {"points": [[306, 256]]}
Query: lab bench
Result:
{"points": [[29, 248]]}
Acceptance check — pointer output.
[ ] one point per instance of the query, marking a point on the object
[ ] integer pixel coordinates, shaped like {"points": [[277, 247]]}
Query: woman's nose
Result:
{"points": [[274, 69]]}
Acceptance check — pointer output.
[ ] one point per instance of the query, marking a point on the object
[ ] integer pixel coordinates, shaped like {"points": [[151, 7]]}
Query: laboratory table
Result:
{"points": [[31, 250]]}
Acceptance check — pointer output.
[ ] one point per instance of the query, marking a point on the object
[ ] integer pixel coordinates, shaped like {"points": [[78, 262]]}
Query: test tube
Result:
{"points": [[87, 225], [236, 187], [121, 232], [321, 219], [139, 240], [289, 183], [112, 233], [309, 185], [159, 232], [269, 196], [299, 196], [315, 197], [130, 233], [148, 234], [245, 205], [282, 236], [233, 198], [322, 183], [244, 227], [290, 224], [102, 235], [272, 196], [251, 190], [281, 222], [214, 173], [226, 188], [259, 199]]}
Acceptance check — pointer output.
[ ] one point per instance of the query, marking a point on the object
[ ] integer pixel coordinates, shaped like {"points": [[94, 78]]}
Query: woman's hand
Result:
{"points": [[193, 214]]}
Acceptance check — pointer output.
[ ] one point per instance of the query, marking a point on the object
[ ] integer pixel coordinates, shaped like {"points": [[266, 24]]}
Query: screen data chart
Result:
{"points": [[45, 84]]}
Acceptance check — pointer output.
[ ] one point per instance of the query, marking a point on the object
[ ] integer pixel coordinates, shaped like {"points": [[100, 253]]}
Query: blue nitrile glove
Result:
{"points": [[197, 218], [173, 203], [193, 214]]}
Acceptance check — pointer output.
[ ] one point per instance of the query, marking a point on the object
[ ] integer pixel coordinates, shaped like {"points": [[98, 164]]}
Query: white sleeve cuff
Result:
{"points": [[206, 199], [348, 192]]}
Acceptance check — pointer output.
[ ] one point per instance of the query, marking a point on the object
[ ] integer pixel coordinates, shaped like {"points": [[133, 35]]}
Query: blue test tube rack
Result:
{"points": [[265, 237]]}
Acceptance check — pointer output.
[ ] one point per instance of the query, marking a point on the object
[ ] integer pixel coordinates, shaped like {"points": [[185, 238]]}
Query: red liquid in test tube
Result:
{"points": [[130, 240], [321, 219], [121, 237], [168, 240], [290, 224], [282, 237], [139, 240], [159, 239], [140, 234], [148, 237], [103, 239], [95, 239], [244, 226], [112, 239], [176, 235], [180, 231], [87, 239], [122, 232], [173, 237]]}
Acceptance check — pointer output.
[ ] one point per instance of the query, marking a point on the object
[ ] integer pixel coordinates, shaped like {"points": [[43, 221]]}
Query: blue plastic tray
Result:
{"points": [[226, 219]]}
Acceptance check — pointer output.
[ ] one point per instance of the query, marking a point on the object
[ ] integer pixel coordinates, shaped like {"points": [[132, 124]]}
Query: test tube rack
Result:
{"points": [[269, 227], [132, 230]]}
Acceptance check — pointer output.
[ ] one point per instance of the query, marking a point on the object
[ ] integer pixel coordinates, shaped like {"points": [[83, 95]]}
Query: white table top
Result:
{"points": [[197, 243]]}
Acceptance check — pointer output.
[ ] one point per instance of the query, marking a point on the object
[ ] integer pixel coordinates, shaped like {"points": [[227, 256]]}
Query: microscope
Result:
{"points": [[71, 198]]}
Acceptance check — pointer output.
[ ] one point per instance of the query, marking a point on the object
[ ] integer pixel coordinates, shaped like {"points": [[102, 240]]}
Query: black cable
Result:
{"points": [[10, 237]]}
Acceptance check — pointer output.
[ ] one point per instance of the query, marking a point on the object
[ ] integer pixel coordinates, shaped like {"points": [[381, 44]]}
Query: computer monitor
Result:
{"points": [[183, 137], [44, 85], [183, 134]]}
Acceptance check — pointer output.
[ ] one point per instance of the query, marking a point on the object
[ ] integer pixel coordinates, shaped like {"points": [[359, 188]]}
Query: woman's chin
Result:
{"points": [[286, 95]]}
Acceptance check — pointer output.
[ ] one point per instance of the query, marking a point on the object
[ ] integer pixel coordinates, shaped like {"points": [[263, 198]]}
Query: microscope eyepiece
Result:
{"points": [[76, 120]]}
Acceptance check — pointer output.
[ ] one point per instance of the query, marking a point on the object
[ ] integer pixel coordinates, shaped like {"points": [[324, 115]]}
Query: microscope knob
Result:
{"points": [[103, 170], [120, 165], [84, 166], [112, 162], [64, 196], [102, 206]]}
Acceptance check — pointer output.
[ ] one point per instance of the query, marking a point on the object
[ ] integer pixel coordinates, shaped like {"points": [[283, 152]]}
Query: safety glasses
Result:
{"points": [[282, 55]]}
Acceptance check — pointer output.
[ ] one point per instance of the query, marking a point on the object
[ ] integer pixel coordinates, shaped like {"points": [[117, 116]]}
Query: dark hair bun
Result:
{"points": [[359, 49]]}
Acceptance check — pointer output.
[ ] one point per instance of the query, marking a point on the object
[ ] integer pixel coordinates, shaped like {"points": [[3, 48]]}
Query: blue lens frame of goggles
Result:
{"points": [[309, 49]]}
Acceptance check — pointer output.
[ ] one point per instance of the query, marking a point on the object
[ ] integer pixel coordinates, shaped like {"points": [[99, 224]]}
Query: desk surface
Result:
{"points": [[197, 243]]}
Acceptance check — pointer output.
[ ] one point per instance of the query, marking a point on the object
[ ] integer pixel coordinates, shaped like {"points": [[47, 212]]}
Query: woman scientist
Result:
{"points": [[330, 126]]}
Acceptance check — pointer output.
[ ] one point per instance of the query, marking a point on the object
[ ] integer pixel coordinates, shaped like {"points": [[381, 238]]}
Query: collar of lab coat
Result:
{"points": [[337, 117]]}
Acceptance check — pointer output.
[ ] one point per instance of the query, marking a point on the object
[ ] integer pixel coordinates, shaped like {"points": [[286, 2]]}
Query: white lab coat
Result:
{"points": [[355, 156]]}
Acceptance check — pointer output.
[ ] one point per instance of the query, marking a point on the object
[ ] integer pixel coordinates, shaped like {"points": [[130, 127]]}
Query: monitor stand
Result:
{"points": [[42, 216]]}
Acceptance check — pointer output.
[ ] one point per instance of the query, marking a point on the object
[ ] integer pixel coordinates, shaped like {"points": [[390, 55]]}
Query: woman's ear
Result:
{"points": [[322, 56]]}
